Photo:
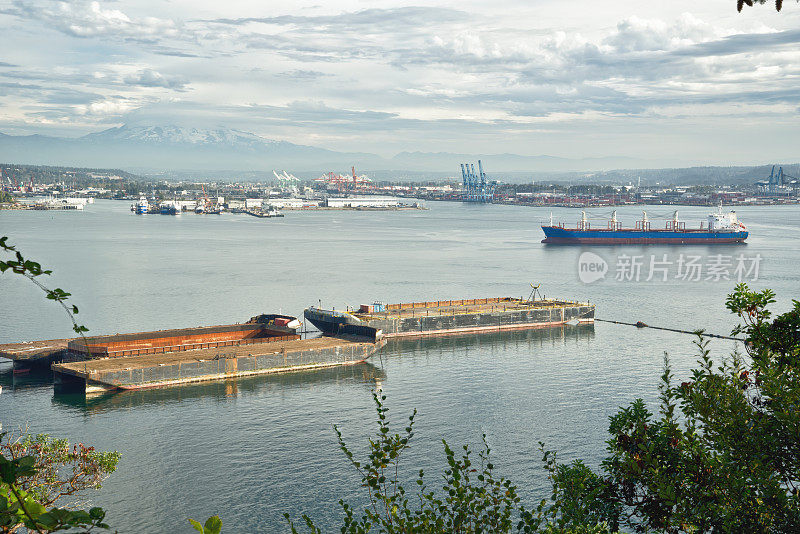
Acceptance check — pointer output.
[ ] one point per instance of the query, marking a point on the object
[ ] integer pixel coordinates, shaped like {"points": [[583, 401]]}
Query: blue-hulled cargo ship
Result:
{"points": [[721, 229]]}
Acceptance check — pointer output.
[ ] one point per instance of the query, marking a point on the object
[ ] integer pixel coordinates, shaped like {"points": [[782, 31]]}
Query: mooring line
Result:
{"points": [[640, 324]]}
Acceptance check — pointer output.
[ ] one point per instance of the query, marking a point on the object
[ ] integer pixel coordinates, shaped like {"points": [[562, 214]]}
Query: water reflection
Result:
{"points": [[496, 340], [32, 380], [362, 374]]}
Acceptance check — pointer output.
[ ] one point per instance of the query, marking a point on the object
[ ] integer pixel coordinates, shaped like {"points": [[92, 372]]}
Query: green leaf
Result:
{"points": [[213, 525], [48, 521], [79, 517], [34, 508], [196, 524]]}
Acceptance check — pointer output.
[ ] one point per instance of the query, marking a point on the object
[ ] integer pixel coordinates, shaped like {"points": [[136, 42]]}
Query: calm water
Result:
{"points": [[252, 449]]}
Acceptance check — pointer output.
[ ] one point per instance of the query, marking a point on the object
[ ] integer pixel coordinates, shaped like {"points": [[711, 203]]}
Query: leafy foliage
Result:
{"points": [[213, 525], [722, 454], [741, 3], [730, 461], [37, 471], [21, 501], [472, 499], [59, 470], [580, 500]]}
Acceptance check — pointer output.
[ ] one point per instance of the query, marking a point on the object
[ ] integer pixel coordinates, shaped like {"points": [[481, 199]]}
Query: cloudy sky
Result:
{"points": [[677, 82]]}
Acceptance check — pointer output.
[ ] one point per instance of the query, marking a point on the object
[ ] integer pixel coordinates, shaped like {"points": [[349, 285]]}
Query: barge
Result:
{"points": [[185, 367], [443, 317], [265, 344], [260, 329], [34, 355]]}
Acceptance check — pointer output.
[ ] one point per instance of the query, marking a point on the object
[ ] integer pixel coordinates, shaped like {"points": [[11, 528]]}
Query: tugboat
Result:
{"points": [[721, 229]]}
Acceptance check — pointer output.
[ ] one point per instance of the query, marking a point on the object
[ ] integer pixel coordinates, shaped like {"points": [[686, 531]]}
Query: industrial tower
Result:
{"points": [[475, 186]]}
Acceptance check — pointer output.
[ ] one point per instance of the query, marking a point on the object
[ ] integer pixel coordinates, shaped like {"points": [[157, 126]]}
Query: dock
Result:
{"points": [[174, 368]]}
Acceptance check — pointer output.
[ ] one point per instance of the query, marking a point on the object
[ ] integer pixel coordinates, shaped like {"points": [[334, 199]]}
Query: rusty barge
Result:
{"points": [[272, 343], [445, 317], [33, 355], [232, 361], [265, 344]]}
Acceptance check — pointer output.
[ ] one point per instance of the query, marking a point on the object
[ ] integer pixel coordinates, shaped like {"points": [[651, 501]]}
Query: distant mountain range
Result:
{"points": [[154, 148]]}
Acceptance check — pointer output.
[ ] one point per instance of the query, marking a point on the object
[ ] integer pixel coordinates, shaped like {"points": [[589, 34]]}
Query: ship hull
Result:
{"points": [[333, 323], [564, 236], [328, 322]]}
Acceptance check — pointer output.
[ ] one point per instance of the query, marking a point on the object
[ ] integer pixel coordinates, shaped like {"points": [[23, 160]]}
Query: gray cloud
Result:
{"points": [[164, 51], [104, 77], [743, 44], [91, 19], [152, 78], [378, 20], [262, 118], [640, 66], [303, 75], [69, 97], [18, 89], [416, 70]]}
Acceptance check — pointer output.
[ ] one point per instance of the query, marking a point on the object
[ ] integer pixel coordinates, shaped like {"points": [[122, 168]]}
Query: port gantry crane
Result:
{"points": [[778, 179], [343, 183], [475, 186], [206, 201], [286, 180]]}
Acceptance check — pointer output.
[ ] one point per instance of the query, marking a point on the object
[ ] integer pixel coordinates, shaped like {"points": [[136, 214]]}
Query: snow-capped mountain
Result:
{"points": [[173, 147], [180, 135]]}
